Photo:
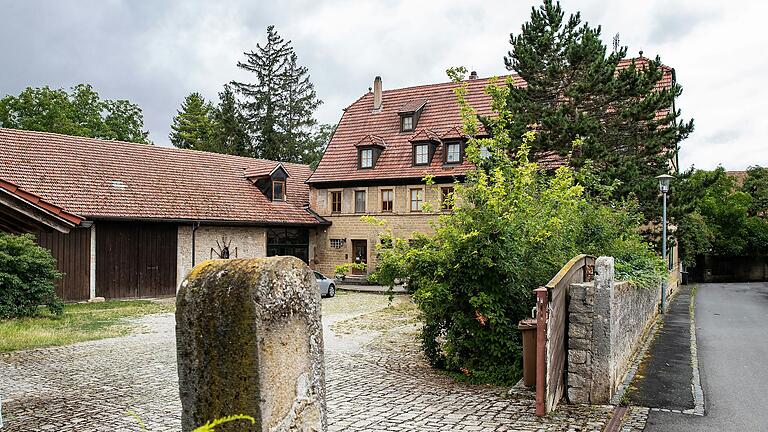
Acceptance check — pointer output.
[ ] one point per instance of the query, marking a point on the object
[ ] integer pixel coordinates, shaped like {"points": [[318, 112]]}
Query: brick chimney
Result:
{"points": [[377, 94], [473, 75]]}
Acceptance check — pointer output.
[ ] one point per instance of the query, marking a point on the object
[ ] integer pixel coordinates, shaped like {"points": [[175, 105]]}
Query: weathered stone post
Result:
{"points": [[602, 356], [249, 341]]}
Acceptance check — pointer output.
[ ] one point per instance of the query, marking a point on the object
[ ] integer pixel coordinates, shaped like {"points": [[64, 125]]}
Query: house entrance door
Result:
{"points": [[360, 254]]}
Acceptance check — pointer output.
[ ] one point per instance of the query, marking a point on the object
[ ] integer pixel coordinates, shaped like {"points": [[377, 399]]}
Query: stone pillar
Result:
{"points": [[249, 341], [601, 331]]}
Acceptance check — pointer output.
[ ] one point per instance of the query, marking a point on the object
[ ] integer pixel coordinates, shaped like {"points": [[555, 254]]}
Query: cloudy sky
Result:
{"points": [[156, 52]]}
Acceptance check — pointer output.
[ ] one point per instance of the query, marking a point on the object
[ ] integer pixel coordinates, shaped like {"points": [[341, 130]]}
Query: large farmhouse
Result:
{"points": [[130, 220]]}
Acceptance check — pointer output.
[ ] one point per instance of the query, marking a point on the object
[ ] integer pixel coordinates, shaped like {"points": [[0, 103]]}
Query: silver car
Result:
{"points": [[327, 285]]}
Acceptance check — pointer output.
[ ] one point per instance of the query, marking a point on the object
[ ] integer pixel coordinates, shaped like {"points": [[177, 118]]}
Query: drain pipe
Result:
{"points": [[195, 226]]}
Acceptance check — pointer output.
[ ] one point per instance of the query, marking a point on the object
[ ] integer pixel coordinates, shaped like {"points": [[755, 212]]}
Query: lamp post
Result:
{"points": [[664, 181]]}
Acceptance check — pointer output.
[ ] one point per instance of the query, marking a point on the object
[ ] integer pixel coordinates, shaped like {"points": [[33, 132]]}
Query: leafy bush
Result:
{"points": [[511, 230], [341, 270], [27, 275]]}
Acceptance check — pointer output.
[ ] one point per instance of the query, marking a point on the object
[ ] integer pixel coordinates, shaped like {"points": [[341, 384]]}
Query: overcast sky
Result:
{"points": [[156, 52]]}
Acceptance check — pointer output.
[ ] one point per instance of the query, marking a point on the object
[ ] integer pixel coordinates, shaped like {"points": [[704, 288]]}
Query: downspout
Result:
{"points": [[195, 226]]}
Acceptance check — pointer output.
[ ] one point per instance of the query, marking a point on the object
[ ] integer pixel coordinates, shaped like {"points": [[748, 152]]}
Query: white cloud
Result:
{"points": [[155, 53]]}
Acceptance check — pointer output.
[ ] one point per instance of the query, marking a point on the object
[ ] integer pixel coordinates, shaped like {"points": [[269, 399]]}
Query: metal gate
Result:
{"points": [[552, 331]]}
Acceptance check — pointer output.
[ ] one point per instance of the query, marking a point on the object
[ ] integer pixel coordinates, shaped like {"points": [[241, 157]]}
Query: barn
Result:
{"points": [[127, 220]]}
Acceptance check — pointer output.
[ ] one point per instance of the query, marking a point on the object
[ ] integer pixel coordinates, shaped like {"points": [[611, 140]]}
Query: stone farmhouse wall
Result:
{"points": [[608, 321], [348, 226], [251, 242]]}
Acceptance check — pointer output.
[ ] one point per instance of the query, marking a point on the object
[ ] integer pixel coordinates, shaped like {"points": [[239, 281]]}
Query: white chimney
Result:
{"points": [[377, 94]]}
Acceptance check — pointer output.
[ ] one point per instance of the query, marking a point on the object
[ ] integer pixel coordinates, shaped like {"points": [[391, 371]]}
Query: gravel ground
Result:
{"points": [[376, 377]]}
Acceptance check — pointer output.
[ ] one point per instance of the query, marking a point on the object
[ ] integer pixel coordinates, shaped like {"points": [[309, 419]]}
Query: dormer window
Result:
{"points": [[453, 152], [271, 180], [366, 158], [410, 113], [407, 123], [278, 190], [421, 154], [369, 149]]}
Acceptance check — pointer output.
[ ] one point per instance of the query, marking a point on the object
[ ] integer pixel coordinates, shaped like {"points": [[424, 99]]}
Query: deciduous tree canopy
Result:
{"points": [[80, 112]]}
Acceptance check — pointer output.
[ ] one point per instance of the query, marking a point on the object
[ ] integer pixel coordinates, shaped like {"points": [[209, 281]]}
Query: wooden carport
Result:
{"points": [[24, 212], [55, 229]]}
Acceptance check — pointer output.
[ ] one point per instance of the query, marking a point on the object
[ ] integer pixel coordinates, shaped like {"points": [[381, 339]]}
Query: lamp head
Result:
{"points": [[664, 181]]}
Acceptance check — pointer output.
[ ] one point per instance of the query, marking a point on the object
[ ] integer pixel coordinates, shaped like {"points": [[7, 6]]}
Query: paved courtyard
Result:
{"points": [[377, 381]]}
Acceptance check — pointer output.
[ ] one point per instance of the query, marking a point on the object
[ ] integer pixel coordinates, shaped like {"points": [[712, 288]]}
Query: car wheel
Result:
{"points": [[331, 290]]}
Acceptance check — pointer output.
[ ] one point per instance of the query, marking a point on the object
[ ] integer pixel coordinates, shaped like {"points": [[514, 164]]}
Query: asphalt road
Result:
{"points": [[732, 334]]}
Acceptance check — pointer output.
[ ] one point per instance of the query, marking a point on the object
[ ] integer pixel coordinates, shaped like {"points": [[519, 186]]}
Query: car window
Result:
{"points": [[318, 276]]}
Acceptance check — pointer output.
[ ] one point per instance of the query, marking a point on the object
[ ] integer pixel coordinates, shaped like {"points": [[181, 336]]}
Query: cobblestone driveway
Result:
{"points": [[377, 381]]}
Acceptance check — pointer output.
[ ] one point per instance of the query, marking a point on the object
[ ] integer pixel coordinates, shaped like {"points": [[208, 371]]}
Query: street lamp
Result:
{"points": [[664, 181]]}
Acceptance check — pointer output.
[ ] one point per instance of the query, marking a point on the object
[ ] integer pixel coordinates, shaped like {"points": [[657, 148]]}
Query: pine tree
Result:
{"points": [[230, 134], [577, 92], [280, 104], [193, 126]]}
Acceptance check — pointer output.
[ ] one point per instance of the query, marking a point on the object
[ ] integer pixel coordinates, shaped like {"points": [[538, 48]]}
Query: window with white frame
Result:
{"points": [[366, 158], [453, 152], [407, 123], [337, 243], [421, 154]]}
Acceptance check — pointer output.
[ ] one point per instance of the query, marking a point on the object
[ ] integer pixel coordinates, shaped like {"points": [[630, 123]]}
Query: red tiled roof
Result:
{"points": [[440, 117], [262, 171], [413, 105], [39, 202], [109, 179], [425, 135], [371, 140]]}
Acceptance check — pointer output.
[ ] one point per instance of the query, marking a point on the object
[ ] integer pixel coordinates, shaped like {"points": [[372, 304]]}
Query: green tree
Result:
{"points": [[230, 132], [318, 144], [578, 92], [280, 103], [715, 216], [193, 126], [756, 185], [81, 112]]}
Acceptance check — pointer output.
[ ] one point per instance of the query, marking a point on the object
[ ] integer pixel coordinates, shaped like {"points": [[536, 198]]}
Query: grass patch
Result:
{"points": [[79, 322]]}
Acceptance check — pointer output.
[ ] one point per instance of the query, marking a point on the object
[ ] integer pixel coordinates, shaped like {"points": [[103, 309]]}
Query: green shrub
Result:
{"points": [[341, 270], [27, 275], [511, 230]]}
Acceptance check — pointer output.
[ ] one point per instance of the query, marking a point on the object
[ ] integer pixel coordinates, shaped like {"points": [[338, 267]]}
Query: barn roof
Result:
{"points": [[120, 180]]}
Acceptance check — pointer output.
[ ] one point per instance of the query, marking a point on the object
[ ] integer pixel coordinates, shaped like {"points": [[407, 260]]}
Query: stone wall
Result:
{"points": [[250, 242], [607, 322]]}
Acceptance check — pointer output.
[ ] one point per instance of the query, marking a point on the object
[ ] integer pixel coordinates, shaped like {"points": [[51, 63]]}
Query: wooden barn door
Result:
{"points": [[135, 259], [72, 252]]}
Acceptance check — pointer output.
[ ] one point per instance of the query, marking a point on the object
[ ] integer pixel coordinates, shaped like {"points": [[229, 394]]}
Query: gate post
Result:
{"points": [[542, 304], [250, 342]]}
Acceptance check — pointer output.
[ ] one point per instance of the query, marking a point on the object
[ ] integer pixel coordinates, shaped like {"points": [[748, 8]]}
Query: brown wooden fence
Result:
{"points": [[552, 331]]}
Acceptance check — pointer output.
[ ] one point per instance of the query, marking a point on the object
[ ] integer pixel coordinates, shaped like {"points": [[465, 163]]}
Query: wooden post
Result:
{"points": [[542, 302]]}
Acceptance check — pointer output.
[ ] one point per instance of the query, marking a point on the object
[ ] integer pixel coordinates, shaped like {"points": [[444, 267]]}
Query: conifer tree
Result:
{"points": [[193, 127], [279, 105], [578, 92], [230, 134]]}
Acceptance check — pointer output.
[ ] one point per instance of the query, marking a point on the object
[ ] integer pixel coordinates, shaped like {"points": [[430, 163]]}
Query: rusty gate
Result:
{"points": [[552, 331]]}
